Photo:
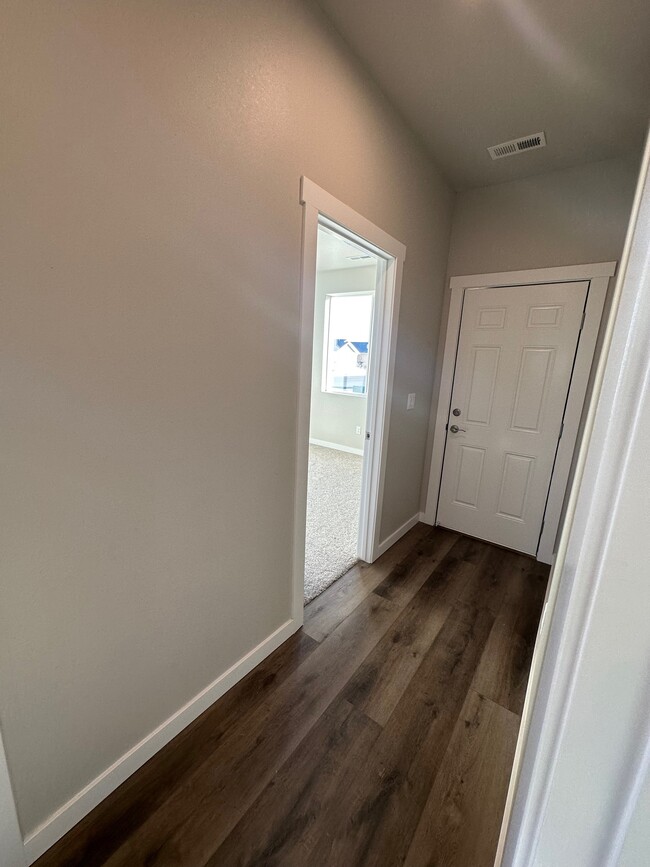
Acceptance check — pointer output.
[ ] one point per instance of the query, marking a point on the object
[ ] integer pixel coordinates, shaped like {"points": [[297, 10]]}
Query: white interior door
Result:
{"points": [[515, 356]]}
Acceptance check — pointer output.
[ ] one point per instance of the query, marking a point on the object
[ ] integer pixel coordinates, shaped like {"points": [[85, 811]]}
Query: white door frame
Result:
{"points": [[598, 275], [319, 205]]}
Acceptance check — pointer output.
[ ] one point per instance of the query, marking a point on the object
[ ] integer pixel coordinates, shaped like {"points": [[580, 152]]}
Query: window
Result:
{"points": [[348, 321]]}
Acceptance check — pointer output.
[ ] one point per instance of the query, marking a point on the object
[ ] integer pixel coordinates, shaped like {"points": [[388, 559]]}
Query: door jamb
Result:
{"points": [[317, 203], [598, 275]]}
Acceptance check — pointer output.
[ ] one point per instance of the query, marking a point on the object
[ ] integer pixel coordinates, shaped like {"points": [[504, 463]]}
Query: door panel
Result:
{"points": [[470, 470], [494, 317], [532, 388], [517, 471], [513, 369], [482, 381]]}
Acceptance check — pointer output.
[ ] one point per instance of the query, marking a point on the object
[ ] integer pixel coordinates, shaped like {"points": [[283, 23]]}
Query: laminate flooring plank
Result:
{"points": [[383, 677], [277, 829], [113, 821], [490, 581], [461, 821], [374, 821], [412, 571], [195, 820], [502, 674], [326, 611]]}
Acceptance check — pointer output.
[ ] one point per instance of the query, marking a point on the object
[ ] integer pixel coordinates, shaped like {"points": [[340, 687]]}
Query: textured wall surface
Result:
{"points": [[149, 331], [566, 217]]}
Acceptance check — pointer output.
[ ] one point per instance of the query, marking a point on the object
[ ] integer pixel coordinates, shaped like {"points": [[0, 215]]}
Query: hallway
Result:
{"points": [[380, 734]]}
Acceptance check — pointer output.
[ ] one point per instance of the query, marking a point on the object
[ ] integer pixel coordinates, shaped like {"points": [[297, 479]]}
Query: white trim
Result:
{"points": [[389, 541], [598, 482], [597, 274], [559, 274], [337, 446], [307, 298], [60, 822], [341, 214], [439, 420], [321, 207], [583, 364], [381, 372], [11, 840]]}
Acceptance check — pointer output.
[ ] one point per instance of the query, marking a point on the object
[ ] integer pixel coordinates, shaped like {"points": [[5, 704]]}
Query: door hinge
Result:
{"points": [[584, 316], [367, 434], [561, 431]]}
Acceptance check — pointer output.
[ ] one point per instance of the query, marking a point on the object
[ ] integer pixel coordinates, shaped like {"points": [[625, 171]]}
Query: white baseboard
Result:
{"points": [[426, 519], [389, 541], [336, 446], [59, 823]]}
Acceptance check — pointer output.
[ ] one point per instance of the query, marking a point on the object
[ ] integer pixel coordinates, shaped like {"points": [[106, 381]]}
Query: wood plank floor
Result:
{"points": [[381, 734]]}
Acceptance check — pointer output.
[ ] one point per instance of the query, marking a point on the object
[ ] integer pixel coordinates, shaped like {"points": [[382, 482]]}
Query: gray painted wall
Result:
{"points": [[149, 331], [566, 217], [334, 417]]}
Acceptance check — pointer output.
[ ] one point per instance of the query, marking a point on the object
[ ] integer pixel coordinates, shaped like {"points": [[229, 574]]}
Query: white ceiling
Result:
{"points": [[334, 253], [467, 74]]}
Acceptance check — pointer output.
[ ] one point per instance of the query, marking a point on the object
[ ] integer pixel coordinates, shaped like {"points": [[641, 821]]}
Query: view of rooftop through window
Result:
{"points": [[348, 320]]}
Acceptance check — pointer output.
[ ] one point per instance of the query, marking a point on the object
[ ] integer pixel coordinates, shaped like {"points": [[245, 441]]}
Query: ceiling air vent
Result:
{"points": [[517, 145]]}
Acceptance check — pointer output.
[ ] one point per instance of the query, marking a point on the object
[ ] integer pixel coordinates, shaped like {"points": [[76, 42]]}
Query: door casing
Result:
{"points": [[320, 207], [598, 275]]}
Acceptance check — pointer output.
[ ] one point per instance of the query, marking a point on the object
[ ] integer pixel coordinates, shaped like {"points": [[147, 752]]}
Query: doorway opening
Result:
{"points": [[344, 304], [351, 281]]}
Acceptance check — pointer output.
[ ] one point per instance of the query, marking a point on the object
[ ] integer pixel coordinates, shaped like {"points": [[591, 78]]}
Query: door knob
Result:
{"points": [[455, 429]]}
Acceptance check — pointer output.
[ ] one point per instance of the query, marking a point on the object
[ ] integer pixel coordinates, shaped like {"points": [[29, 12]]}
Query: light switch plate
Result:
{"points": [[410, 402]]}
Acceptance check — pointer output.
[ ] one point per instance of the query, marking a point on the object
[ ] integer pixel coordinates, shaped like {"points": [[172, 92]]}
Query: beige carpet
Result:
{"points": [[333, 497]]}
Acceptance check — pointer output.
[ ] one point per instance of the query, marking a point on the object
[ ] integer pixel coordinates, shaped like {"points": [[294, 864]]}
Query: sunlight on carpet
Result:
{"points": [[333, 498]]}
